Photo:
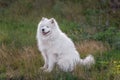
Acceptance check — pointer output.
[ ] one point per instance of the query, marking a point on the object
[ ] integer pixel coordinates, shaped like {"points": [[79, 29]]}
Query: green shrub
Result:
{"points": [[3, 76], [110, 35]]}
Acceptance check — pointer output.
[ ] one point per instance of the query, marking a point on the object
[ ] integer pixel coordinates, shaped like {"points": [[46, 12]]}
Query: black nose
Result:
{"points": [[43, 30]]}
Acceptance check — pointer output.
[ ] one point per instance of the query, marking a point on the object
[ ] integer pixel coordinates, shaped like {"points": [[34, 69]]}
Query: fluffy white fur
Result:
{"points": [[57, 48]]}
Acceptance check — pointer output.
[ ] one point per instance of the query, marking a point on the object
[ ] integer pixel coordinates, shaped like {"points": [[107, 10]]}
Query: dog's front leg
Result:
{"points": [[45, 57], [51, 63]]}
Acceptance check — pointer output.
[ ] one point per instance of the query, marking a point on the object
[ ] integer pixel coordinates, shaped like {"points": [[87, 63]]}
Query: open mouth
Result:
{"points": [[45, 33]]}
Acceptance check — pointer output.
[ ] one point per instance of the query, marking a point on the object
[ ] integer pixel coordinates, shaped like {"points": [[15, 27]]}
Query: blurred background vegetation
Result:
{"points": [[94, 26], [96, 19]]}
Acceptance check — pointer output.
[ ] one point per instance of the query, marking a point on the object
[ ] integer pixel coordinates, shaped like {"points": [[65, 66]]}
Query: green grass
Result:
{"points": [[21, 60], [84, 24], [11, 33]]}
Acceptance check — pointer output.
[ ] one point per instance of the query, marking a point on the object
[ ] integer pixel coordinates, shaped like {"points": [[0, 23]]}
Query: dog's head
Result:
{"points": [[47, 26]]}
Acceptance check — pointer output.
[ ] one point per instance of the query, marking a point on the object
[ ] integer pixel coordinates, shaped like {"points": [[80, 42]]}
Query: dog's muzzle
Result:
{"points": [[45, 33]]}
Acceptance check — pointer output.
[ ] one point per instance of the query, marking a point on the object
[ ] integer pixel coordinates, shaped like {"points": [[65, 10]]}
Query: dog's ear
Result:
{"points": [[52, 20], [43, 18]]}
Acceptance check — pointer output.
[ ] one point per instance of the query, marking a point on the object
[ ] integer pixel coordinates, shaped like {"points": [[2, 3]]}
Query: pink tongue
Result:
{"points": [[44, 33]]}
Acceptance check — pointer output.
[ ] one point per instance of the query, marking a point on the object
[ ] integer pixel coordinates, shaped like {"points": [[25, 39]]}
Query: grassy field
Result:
{"points": [[19, 55], [21, 60]]}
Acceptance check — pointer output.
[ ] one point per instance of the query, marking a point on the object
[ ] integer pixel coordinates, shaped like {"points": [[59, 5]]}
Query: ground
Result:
{"points": [[19, 55]]}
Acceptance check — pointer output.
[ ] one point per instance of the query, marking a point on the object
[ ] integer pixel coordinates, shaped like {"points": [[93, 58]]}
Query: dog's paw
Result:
{"points": [[42, 68], [47, 70]]}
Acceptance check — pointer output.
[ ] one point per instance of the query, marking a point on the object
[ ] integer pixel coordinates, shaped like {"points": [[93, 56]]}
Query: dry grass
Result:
{"points": [[13, 57], [10, 55], [91, 47], [24, 63], [18, 63]]}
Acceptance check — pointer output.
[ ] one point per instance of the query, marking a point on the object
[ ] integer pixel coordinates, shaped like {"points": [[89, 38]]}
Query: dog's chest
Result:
{"points": [[50, 46]]}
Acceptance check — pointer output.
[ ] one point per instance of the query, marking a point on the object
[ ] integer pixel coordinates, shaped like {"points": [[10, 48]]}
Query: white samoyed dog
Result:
{"points": [[57, 48]]}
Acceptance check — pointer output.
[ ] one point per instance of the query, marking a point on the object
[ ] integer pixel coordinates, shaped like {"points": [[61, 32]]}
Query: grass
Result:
{"points": [[21, 60], [19, 55], [10, 30]]}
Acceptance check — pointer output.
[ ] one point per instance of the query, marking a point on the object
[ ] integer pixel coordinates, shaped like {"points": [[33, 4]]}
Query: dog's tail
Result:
{"points": [[88, 61]]}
